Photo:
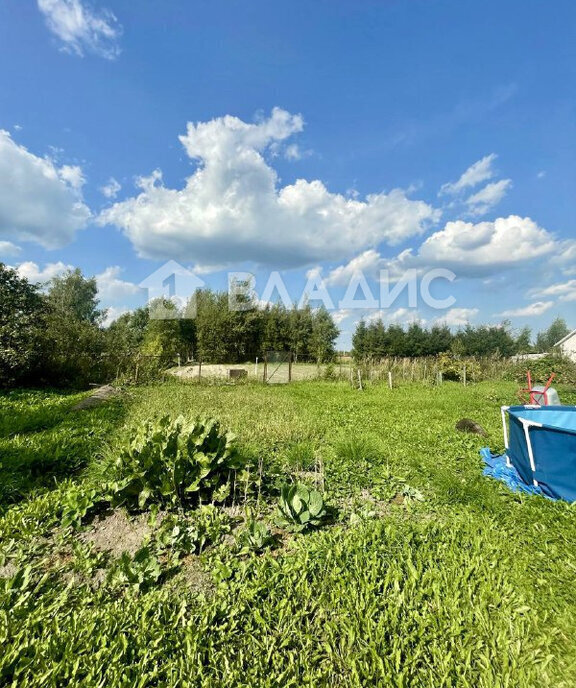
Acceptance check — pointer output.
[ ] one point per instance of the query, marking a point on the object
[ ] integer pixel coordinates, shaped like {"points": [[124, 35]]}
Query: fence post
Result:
{"points": [[360, 379], [390, 379], [290, 367], [199, 368], [464, 375], [256, 368]]}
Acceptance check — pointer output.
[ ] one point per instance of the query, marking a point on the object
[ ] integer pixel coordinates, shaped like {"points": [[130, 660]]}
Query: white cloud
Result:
{"points": [[293, 152], [477, 173], [367, 262], [537, 308], [232, 209], [113, 313], [400, 316], [81, 29], [33, 273], [111, 188], [7, 248], [481, 249], [458, 317], [72, 175], [38, 201], [485, 199], [112, 288], [565, 290], [341, 314]]}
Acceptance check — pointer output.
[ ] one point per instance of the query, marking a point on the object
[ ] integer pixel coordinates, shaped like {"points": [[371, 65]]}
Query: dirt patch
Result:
{"points": [[193, 577], [98, 396], [116, 532], [8, 569]]}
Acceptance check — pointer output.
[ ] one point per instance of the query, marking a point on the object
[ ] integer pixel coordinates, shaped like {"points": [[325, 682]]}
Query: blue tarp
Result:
{"points": [[496, 468]]}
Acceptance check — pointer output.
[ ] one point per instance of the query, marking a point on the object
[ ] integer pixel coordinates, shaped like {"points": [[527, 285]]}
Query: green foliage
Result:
{"points": [[138, 572], [77, 504], [356, 449], [256, 536], [21, 313], [452, 368], [300, 508], [375, 341], [547, 339], [542, 369], [174, 462]]}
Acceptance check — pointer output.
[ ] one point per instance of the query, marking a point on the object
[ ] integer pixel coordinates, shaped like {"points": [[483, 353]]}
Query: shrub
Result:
{"points": [[300, 508], [541, 370], [174, 462], [452, 368]]}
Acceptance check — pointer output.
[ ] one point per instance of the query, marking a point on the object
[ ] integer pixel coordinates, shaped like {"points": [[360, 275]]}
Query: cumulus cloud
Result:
{"points": [[81, 29], [481, 249], [367, 262], [477, 173], [7, 248], [39, 201], [537, 308], [112, 288], [111, 188], [485, 199], [458, 317], [33, 273], [233, 208]]}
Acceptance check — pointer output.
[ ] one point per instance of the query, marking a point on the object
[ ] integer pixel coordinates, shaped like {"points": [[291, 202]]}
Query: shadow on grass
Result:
{"points": [[56, 444]]}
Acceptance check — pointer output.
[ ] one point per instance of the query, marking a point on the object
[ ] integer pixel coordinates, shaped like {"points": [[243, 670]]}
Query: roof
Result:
{"points": [[566, 338]]}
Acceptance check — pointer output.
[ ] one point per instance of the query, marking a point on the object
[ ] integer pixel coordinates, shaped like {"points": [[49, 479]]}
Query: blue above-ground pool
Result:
{"points": [[541, 445]]}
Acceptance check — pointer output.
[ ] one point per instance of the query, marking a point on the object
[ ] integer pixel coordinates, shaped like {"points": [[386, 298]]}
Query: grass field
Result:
{"points": [[428, 573]]}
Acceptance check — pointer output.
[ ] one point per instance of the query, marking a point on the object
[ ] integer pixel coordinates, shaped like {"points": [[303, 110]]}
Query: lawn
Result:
{"points": [[426, 574]]}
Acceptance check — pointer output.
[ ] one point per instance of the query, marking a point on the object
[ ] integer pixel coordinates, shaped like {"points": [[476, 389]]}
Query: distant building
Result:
{"points": [[568, 345]]}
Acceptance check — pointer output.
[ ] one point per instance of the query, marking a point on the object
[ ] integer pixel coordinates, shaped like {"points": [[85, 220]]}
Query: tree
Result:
{"points": [[524, 341], [323, 337], [21, 316], [72, 341], [547, 340], [76, 296], [359, 348]]}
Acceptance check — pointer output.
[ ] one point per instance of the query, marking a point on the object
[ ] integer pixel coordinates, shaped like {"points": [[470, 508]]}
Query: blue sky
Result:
{"points": [[314, 138]]}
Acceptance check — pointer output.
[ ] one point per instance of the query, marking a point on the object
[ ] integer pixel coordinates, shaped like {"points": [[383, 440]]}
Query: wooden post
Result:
{"points": [[265, 369], [256, 368], [464, 375], [179, 361], [360, 379], [199, 368], [390, 379], [290, 367]]}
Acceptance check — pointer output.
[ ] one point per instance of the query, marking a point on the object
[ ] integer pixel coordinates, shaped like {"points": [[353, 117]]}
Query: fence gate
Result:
{"points": [[277, 367]]}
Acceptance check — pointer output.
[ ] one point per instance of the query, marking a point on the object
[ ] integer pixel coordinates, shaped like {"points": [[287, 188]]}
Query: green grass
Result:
{"points": [[43, 441], [473, 586]]}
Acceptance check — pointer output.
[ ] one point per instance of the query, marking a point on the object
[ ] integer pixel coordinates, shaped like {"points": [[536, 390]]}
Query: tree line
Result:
{"points": [[374, 340], [55, 335]]}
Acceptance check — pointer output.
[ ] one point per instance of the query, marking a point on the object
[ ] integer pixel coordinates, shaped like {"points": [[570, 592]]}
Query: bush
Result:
{"points": [[542, 369], [174, 462], [452, 368]]}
